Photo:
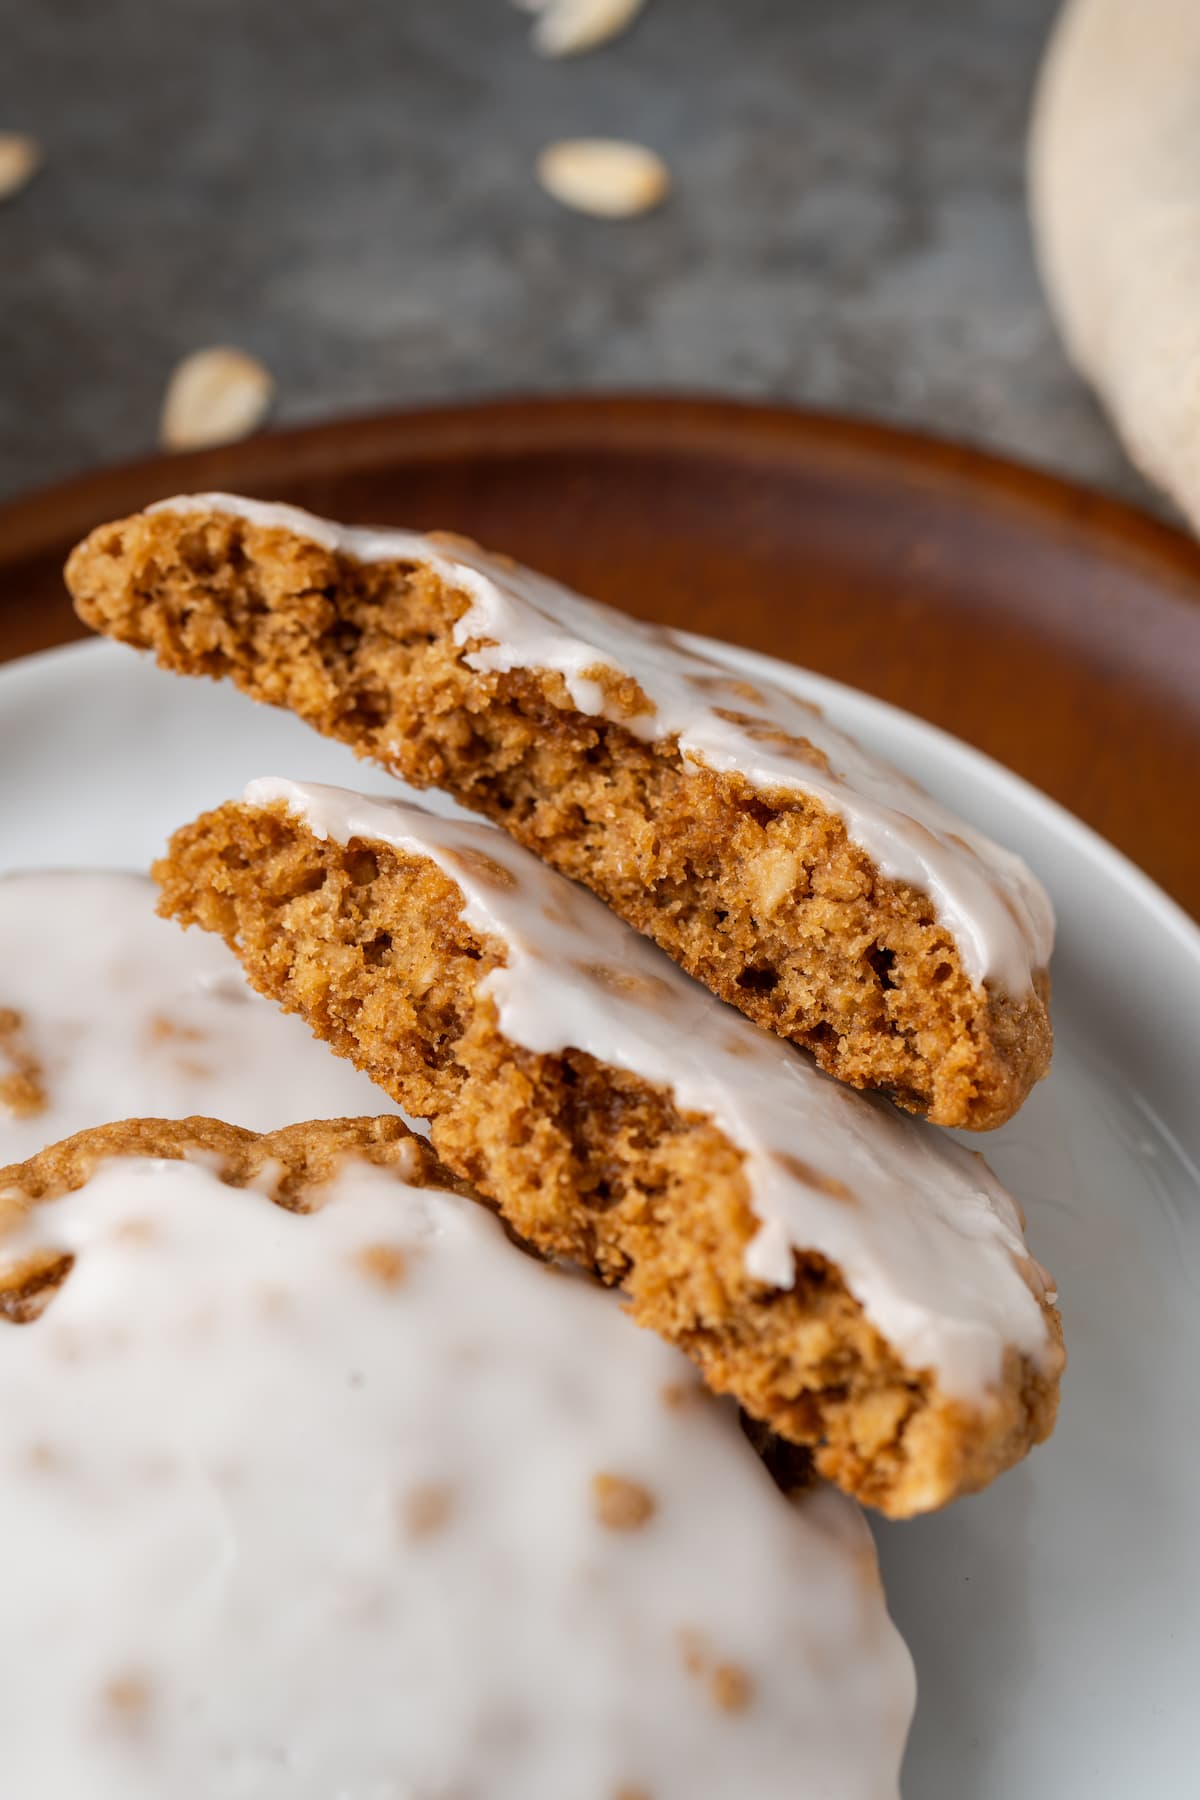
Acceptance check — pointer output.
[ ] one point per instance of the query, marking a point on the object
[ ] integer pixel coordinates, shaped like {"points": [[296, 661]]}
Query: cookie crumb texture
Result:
{"points": [[763, 898], [585, 1161], [221, 1416]]}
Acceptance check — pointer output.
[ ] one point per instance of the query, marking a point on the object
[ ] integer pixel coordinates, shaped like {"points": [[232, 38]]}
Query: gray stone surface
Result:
{"points": [[345, 189]]}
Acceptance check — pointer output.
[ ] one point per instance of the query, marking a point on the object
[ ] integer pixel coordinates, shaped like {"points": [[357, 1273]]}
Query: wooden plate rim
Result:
{"points": [[689, 424]]}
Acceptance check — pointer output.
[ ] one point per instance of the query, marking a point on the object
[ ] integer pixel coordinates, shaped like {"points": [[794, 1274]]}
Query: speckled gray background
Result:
{"points": [[345, 189]]}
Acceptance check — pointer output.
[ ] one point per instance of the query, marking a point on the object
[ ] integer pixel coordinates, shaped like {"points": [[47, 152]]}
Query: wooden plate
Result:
{"points": [[1057, 630]]}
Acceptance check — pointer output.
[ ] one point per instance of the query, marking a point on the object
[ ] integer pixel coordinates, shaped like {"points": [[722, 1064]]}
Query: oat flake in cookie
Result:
{"points": [[800, 877], [362, 1500], [858, 1280]]}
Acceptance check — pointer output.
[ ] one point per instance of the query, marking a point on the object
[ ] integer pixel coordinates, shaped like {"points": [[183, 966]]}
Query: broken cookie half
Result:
{"points": [[858, 1281]]}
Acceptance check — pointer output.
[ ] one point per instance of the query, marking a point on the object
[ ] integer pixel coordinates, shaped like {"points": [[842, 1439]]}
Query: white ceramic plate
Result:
{"points": [[1055, 1620]]}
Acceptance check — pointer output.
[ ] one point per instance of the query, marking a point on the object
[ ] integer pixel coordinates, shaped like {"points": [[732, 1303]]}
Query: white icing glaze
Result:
{"points": [[273, 1529], [924, 1235], [995, 909], [125, 1016]]}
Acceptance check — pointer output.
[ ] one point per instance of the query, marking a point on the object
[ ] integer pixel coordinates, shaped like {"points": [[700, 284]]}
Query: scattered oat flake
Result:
{"points": [[604, 177], [621, 1504], [568, 27], [214, 397], [20, 160]]}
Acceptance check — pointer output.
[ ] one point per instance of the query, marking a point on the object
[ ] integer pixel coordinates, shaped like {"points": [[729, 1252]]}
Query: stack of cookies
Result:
{"points": [[687, 1024]]}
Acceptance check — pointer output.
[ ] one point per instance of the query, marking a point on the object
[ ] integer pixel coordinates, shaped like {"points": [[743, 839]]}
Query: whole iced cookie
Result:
{"points": [[349, 1496]]}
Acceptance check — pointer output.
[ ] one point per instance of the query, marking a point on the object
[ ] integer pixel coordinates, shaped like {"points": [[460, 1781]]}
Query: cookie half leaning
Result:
{"points": [[799, 877], [856, 1279]]}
